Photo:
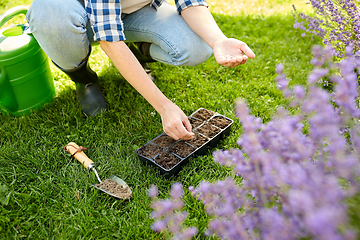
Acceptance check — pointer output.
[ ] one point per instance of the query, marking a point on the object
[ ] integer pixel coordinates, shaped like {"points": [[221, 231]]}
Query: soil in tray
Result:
{"points": [[208, 130], [182, 149], [163, 141], [149, 150], [220, 122], [198, 140], [203, 114], [195, 123], [167, 160]]}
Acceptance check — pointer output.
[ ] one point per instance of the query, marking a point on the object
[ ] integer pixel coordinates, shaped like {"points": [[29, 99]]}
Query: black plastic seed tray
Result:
{"points": [[169, 156]]}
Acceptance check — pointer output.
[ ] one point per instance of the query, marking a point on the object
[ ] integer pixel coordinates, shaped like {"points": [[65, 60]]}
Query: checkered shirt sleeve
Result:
{"points": [[105, 19], [182, 4], [105, 16]]}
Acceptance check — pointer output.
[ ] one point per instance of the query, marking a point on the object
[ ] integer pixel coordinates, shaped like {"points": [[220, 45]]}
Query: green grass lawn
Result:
{"points": [[51, 193]]}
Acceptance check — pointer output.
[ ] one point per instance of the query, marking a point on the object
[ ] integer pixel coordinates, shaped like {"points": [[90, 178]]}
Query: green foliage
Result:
{"points": [[52, 196], [4, 194]]}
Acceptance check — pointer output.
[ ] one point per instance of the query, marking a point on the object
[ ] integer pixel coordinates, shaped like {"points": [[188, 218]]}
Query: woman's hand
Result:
{"points": [[228, 52], [175, 123], [231, 52]]}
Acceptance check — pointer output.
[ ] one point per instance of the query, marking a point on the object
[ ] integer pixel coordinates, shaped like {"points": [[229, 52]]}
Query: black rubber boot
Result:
{"points": [[88, 90]]}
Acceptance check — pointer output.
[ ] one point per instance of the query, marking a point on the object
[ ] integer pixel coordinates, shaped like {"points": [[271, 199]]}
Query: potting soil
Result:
{"points": [[149, 150], [220, 122], [164, 141], [182, 149], [167, 152], [198, 140], [203, 114], [167, 160], [208, 130], [194, 122], [115, 188]]}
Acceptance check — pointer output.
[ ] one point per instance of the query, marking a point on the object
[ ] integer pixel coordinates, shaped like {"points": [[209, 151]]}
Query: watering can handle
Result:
{"points": [[12, 12], [6, 16]]}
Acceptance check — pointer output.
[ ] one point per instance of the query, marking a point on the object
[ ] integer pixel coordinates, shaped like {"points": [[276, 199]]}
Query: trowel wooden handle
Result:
{"points": [[77, 153]]}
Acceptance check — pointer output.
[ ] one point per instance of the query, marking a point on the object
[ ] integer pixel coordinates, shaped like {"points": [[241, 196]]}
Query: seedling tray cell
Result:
{"points": [[163, 141], [199, 142], [169, 155]]}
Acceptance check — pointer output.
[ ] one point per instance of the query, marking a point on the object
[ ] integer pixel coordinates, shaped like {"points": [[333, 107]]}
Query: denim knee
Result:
{"points": [[56, 17], [193, 54], [60, 27]]}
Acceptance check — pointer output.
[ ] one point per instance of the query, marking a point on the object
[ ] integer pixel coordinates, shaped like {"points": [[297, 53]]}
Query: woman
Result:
{"points": [[184, 35]]}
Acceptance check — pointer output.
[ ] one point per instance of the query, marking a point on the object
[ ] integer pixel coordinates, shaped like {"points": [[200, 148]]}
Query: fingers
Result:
{"points": [[179, 132], [187, 124], [230, 61], [248, 52], [175, 123]]}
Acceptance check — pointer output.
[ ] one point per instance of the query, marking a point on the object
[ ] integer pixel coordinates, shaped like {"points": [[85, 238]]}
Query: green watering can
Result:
{"points": [[26, 81]]}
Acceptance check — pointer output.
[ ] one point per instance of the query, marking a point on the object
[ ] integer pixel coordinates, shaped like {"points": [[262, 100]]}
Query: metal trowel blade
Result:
{"points": [[120, 182]]}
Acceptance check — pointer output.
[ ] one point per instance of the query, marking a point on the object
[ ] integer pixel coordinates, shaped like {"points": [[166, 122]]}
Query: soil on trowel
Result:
{"points": [[195, 123], [182, 149], [115, 188], [208, 130], [220, 122], [198, 140], [203, 114], [149, 150], [164, 141], [167, 160]]}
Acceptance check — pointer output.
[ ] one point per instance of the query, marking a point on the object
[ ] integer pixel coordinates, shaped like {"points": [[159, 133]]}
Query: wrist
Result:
{"points": [[218, 40], [163, 105]]}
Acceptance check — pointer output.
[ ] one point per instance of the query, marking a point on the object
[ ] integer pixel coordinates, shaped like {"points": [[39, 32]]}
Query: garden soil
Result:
{"points": [[220, 122], [161, 149], [208, 130], [149, 150], [203, 114], [115, 188], [167, 159], [164, 141], [198, 140], [182, 149]]}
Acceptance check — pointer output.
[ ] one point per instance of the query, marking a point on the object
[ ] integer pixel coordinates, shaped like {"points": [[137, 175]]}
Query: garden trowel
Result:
{"points": [[113, 186]]}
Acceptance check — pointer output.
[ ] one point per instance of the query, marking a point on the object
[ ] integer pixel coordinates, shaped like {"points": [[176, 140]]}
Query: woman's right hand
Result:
{"points": [[175, 123]]}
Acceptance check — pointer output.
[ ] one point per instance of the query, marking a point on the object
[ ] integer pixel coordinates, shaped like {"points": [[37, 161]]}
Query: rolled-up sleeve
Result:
{"points": [[183, 4], [105, 19]]}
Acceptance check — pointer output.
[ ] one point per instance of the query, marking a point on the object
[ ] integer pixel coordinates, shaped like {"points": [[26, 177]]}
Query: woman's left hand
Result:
{"points": [[231, 52]]}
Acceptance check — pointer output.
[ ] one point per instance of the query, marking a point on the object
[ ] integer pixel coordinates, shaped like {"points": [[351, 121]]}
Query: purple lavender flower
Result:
{"points": [[158, 226], [337, 23], [168, 215], [285, 169], [153, 192], [285, 182], [176, 191]]}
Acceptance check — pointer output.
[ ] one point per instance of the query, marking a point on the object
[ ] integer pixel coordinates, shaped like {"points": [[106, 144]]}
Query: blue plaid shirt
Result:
{"points": [[105, 16]]}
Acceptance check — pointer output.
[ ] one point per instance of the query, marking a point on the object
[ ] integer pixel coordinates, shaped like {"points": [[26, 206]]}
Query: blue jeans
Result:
{"points": [[64, 33]]}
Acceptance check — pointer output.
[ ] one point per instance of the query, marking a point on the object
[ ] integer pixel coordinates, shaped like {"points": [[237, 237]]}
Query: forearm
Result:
{"points": [[202, 22], [228, 52], [132, 71]]}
